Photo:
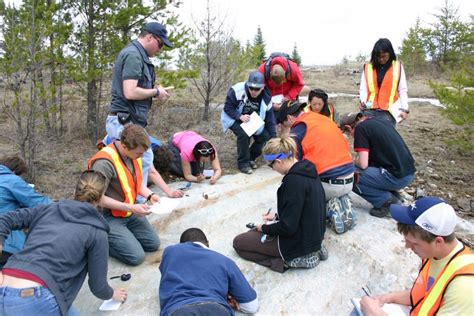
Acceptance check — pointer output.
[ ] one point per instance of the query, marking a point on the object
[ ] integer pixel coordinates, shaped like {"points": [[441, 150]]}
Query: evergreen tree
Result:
{"points": [[412, 52], [295, 55], [259, 53]]}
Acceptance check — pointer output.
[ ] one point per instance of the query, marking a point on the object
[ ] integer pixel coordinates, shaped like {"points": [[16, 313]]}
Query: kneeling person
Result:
{"points": [[198, 281], [130, 232]]}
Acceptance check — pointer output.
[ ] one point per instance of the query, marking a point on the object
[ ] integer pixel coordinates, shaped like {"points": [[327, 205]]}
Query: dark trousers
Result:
{"points": [[250, 247], [245, 152], [381, 115], [201, 309]]}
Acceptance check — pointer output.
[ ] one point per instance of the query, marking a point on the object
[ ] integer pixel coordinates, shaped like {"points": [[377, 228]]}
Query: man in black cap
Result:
{"points": [[133, 84], [242, 100]]}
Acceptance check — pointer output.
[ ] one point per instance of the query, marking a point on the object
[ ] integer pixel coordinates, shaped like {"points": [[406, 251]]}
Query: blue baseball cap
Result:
{"points": [[159, 30], [432, 214]]}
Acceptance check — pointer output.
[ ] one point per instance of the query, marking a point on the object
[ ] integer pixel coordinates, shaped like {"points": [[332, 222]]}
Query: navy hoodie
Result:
{"points": [[66, 240]]}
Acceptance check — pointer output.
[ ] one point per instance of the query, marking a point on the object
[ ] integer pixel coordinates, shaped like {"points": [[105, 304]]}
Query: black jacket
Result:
{"points": [[301, 212], [66, 241]]}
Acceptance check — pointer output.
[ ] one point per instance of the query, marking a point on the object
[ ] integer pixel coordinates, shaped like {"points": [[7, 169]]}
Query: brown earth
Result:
{"points": [[444, 167]]}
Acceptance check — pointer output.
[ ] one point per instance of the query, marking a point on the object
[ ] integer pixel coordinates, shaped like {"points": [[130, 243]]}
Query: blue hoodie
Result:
{"points": [[16, 193]]}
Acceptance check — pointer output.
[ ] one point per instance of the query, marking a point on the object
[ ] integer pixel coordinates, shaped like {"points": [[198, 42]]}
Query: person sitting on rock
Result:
{"points": [[14, 194], [445, 283], [190, 152], [291, 237], [67, 241], [196, 280], [384, 161], [320, 141], [242, 100], [318, 102]]}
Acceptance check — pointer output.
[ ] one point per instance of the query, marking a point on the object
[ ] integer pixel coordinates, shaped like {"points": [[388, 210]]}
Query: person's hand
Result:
{"points": [[232, 302], [259, 227], [403, 116], [371, 306], [213, 180], [155, 198], [164, 95], [276, 106], [176, 194], [244, 118], [200, 178], [120, 295], [140, 209], [268, 217], [362, 106]]}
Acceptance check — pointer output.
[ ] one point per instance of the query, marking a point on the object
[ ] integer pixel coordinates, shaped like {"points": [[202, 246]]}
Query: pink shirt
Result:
{"points": [[186, 141]]}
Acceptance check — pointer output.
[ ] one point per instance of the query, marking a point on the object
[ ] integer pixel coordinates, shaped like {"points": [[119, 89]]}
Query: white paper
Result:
{"points": [[394, 109], [165, 206], [390, 309], [110, 305], [253, 125], [277, 98], [208, 172]]}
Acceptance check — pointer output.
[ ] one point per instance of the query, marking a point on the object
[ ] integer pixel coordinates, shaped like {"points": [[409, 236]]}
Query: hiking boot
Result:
{"points": [[380, 211], [323, 253], [246, 170], [349, 217], [308, 261], [333, 208], [253, 164]]}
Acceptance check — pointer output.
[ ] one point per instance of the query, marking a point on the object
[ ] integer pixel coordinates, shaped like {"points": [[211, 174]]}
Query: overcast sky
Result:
{"points": [[324, 31]]}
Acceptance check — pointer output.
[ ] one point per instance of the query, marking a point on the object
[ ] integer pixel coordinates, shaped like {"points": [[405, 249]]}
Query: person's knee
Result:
{"points": [[153, 245], [135, 259]]}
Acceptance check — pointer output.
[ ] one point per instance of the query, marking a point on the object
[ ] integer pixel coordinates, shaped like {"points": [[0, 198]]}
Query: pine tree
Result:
{"points": [[412, 52], [295, 55], [259, 53]]}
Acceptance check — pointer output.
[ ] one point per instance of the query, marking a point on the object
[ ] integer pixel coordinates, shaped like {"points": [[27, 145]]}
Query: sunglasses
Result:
{"points": [[206, 151], [254, 89], [273, 161], [159, 41]]}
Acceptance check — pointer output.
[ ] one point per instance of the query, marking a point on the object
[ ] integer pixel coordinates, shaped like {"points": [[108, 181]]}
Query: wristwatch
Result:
{"points": [[149, 196], [157, 93]]}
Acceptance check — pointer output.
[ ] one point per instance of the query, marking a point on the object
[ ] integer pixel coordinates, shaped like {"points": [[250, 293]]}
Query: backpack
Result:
{"points": [[268, 63]]}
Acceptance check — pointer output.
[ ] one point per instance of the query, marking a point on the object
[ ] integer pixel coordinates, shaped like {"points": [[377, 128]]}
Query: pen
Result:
{"points": [[365, 291]]}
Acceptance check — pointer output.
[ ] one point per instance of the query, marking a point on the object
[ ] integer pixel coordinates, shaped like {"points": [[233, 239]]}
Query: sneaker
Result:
{"points": [[349, 217], [308, 261], [323, 253], [333, 208], [380, 211], [246, 170], [253, 164]]}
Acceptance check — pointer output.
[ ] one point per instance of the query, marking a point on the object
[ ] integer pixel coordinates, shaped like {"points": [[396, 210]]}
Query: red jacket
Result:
{"points": [[291, 88]]}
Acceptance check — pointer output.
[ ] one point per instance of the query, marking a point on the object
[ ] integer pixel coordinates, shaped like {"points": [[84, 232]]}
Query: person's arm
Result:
{"points": [[403, 94], [362, 159], [372, 306], [216, 166], [97, 262], [157, 179], [187, 174], [297, 82], [361, 145], [231, 104], [298, 132], [241, 290], [270, 124], [138, 209], [362, 88], [17, 219], [25, 195]]}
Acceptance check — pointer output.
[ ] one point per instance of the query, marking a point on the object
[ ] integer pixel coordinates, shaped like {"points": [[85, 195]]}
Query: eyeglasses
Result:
{"points": [[159, 41], [273, 161], [206, 151], [254, 89]]}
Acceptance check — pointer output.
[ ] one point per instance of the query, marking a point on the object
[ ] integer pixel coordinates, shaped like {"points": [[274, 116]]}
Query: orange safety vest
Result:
{"points": [[130, 185], [425, 302], [324, 144], [384, 96]]}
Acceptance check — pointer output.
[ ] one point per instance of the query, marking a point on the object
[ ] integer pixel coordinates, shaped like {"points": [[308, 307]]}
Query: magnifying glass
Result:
{"points": [[123, 277]]}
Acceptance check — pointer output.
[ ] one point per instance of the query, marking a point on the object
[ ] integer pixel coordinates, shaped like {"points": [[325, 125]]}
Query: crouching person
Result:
{"points": [[66, 241], [292, 237], [198, 281]]}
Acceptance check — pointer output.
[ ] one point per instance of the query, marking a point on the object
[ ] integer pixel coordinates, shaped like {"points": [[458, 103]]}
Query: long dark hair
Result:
{"points": [[204, 146], [382, 45], [319, 93]]}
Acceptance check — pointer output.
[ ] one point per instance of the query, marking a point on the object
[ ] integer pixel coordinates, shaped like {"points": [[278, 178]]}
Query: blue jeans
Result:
{"points": [[41, 302], [201, 309], [130, 237], [114, 130], [244, 152], [375, 185]]}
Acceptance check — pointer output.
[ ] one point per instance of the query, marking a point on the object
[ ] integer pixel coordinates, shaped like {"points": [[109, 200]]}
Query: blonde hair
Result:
{"points": [[285, 144], [90, 187], [277, 74]]}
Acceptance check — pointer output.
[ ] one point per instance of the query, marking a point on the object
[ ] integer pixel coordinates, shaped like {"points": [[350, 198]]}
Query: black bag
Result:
{"points": [[124, 117], [268, 63]]}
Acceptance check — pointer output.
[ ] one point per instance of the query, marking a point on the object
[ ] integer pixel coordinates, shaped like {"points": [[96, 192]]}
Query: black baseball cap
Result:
{"points": [[159, 30], [256, 80], [289, 108]]}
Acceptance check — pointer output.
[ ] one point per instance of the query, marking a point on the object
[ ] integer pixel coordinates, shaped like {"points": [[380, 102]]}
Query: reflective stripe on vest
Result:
{"points": [[382, 97], [331, 111], [428, 303], [129, 185]]}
